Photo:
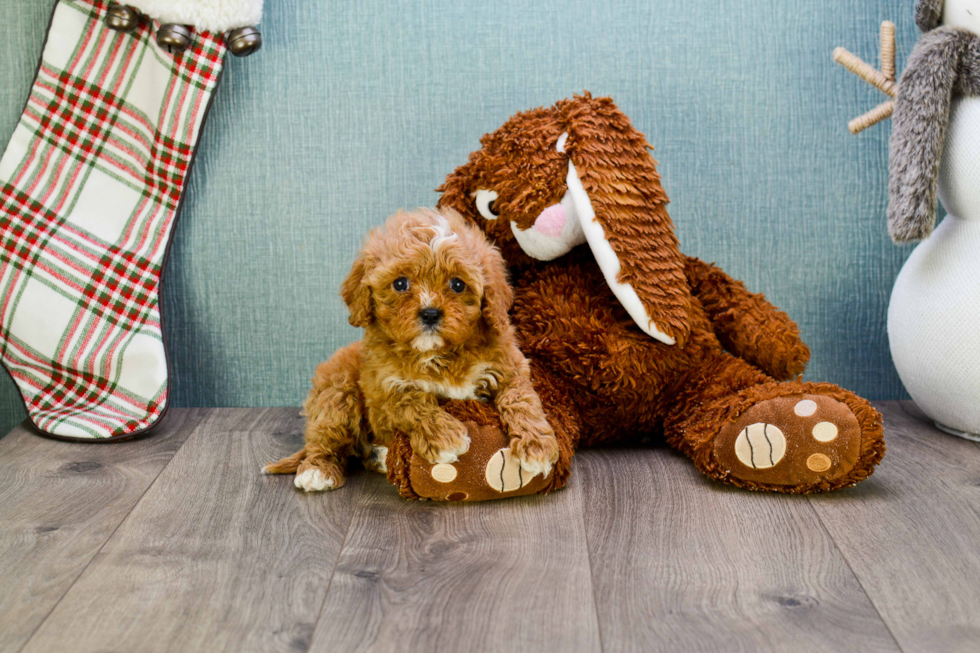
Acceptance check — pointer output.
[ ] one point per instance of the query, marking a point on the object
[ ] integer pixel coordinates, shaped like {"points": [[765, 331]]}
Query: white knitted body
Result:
{"points": [[934, 315], [207, 15], [959, 176]]}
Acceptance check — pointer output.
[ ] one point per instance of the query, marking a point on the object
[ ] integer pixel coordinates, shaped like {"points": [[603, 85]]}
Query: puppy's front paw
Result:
{"points": [[318, 479], [377, 460], [537, 453], [450, 441]]}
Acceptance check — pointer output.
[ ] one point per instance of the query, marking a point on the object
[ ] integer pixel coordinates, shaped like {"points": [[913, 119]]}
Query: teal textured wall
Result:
{"points": [[354, 109]]}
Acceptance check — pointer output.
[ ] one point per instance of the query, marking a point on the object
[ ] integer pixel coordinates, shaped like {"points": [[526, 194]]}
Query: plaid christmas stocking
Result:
{"points": [[91, 185]]}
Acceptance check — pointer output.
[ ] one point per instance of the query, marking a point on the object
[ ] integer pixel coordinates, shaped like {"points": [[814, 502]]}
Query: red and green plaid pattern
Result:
{"points": [[90, 186]]}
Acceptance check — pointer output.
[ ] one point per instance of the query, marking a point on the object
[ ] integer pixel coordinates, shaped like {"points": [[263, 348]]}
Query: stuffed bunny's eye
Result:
{"points": [[484, 204]]}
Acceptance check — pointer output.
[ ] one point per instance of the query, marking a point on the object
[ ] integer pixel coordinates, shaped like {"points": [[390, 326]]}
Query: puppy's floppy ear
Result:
{"points": [[498, 296], [614, 183], [928, 14], [357, 294]]}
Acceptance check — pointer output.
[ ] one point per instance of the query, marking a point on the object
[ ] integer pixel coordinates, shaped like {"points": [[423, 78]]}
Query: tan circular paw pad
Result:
{"points": [[791, 440], [504, 472], [825, 432], [444, 473], [818, 462], [805, 407], [760, 446]]}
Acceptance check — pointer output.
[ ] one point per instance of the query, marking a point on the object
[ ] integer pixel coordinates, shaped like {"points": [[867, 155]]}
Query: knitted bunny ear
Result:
{"points": [[928, 14], [614, 183], [918, 136]]}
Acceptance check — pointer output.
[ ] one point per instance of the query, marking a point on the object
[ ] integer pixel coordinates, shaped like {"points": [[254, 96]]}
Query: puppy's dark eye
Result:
{"points": [[457, 286], [400, 284]]}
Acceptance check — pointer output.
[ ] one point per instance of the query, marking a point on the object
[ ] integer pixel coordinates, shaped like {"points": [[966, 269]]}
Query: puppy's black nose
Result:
{"points": [[430, 316]]}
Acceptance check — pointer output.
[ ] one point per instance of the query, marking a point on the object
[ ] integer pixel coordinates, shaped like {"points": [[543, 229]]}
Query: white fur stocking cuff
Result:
{"points": [[206, 15]]}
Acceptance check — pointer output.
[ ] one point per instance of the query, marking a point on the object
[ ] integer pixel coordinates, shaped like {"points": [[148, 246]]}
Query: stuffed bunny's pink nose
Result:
{"points": [[551, 222]]}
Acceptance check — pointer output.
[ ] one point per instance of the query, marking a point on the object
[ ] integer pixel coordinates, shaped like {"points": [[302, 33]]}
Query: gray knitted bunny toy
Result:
{"points": [[944, 63]]}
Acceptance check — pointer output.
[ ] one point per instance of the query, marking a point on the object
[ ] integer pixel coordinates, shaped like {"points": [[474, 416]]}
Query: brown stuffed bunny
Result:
{"points": [[626, 336]]}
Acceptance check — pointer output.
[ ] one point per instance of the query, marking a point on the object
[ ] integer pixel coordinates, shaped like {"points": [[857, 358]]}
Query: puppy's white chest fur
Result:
{"points": [[479, 378], [445, 391]]}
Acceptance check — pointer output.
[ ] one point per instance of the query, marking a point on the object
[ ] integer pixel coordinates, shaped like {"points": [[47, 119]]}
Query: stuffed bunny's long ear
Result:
{"points": [[622, 207]]}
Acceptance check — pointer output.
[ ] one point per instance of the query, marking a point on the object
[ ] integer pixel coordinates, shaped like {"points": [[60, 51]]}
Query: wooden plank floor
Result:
{"points": [[177, 543]]}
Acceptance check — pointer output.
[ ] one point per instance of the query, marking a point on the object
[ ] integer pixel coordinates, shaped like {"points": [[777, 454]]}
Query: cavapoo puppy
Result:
{"points": [[432, 296]]}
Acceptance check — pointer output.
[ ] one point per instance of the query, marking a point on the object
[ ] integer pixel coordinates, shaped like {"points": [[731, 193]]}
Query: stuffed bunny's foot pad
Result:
{"points": [[487, 471], [798, 440]]}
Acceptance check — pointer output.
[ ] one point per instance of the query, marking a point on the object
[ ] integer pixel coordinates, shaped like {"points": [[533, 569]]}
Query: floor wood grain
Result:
{"points": [[683, 564], [178, 543], [217, 556], [912, 536], [59, 504], [422, 576]]}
